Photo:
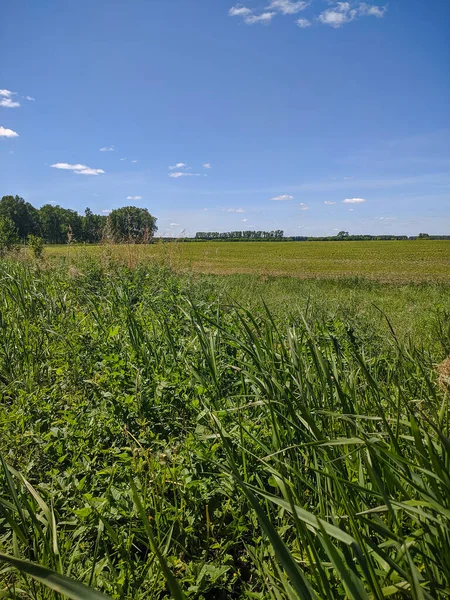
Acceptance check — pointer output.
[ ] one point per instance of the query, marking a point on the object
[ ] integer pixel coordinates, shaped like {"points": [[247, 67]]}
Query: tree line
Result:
{"points": [[278, 236], [237, 235], [57, 225]]}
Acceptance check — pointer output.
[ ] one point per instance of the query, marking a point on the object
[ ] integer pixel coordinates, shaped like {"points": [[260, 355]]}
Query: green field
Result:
{"points": [[187, 420], [397, 261]]}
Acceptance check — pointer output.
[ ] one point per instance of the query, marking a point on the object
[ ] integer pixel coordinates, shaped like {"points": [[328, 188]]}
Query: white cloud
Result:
{"points": [[234, 210], [338, 16], [78, 169], [8, 133], [7, 93], [329, 202], [288, 7], [134, 161], [106, 211], [304, 23], [207, 165], [174, 224], [108, 149], [134, 197], [262, 18], [242, 11], [179, 165], [353, 201], [123, 158], [303, 206], [244, 220], [351, 209], [183, 174], [283, 197], [239, 11], [9, 103], [366, 10], [29, 98], [343, 12]]}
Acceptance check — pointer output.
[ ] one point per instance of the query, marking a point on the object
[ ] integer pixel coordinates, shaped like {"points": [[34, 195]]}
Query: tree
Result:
{"points": [[424, 236], [58, 223], [131, 224], [24, 216], [8, 235], [342, 235]]}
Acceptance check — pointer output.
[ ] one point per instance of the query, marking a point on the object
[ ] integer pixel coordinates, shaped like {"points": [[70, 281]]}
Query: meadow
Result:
{"points": [[389, 261], [213, 420]]}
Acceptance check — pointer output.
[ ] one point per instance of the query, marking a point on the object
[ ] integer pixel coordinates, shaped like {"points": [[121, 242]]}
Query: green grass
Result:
{"points": [[161, 440], [388, 261]]}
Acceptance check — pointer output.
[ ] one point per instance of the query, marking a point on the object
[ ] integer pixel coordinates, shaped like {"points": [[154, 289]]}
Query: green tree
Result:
{"points": [[8, 235], [131, 225], [24, 216], [58, 223]]}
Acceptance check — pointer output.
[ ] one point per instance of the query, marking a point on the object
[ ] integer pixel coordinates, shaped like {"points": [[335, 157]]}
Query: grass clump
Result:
{"points": [[160, 440]]}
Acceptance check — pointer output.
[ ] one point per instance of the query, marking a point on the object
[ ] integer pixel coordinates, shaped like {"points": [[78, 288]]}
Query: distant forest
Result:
{"points": [[278, 236]]}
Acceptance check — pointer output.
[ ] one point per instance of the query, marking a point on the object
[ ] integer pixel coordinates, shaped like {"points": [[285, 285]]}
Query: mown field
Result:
{"points": [[168, 433], [390, 261]]}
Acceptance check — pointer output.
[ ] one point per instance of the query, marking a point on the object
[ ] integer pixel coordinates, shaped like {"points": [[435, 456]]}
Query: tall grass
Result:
{"points": [[159, 442]]}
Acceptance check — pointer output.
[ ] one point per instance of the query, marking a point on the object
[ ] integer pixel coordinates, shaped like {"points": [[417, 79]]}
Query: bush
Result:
{"points": [[36, 244]]}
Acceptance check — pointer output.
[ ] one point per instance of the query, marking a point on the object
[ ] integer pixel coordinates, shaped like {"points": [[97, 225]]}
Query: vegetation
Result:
{"points": [[388, 261], [57, 225], [8, 236], [161, 440]]}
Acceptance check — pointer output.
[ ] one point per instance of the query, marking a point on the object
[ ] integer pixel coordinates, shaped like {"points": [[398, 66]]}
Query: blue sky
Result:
{"points": [[309, 117]]}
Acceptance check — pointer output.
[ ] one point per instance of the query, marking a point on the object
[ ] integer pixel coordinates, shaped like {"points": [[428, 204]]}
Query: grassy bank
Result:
{"points": [[156, 434]]}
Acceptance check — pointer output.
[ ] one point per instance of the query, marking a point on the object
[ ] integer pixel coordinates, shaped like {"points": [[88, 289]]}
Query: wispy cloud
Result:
{"points": [[206, 165], [329, 202], [239, 11], [353, 201], [108, 149], [244, 220], [30, 98], [337, 15], [106, 211], [345, 12], [124, 158], [7, 93], [367, 10], [179, 165], [283, 197], [174, 224], [9, 103], [134, 161], [234, 210], [303, 206], [183, 174], [78, 169], [287, 7], [134, 197], [8, 133], [248, 16]]}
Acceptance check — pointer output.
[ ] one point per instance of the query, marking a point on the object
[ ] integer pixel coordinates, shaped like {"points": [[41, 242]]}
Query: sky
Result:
{"points": [[307, 116]]}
